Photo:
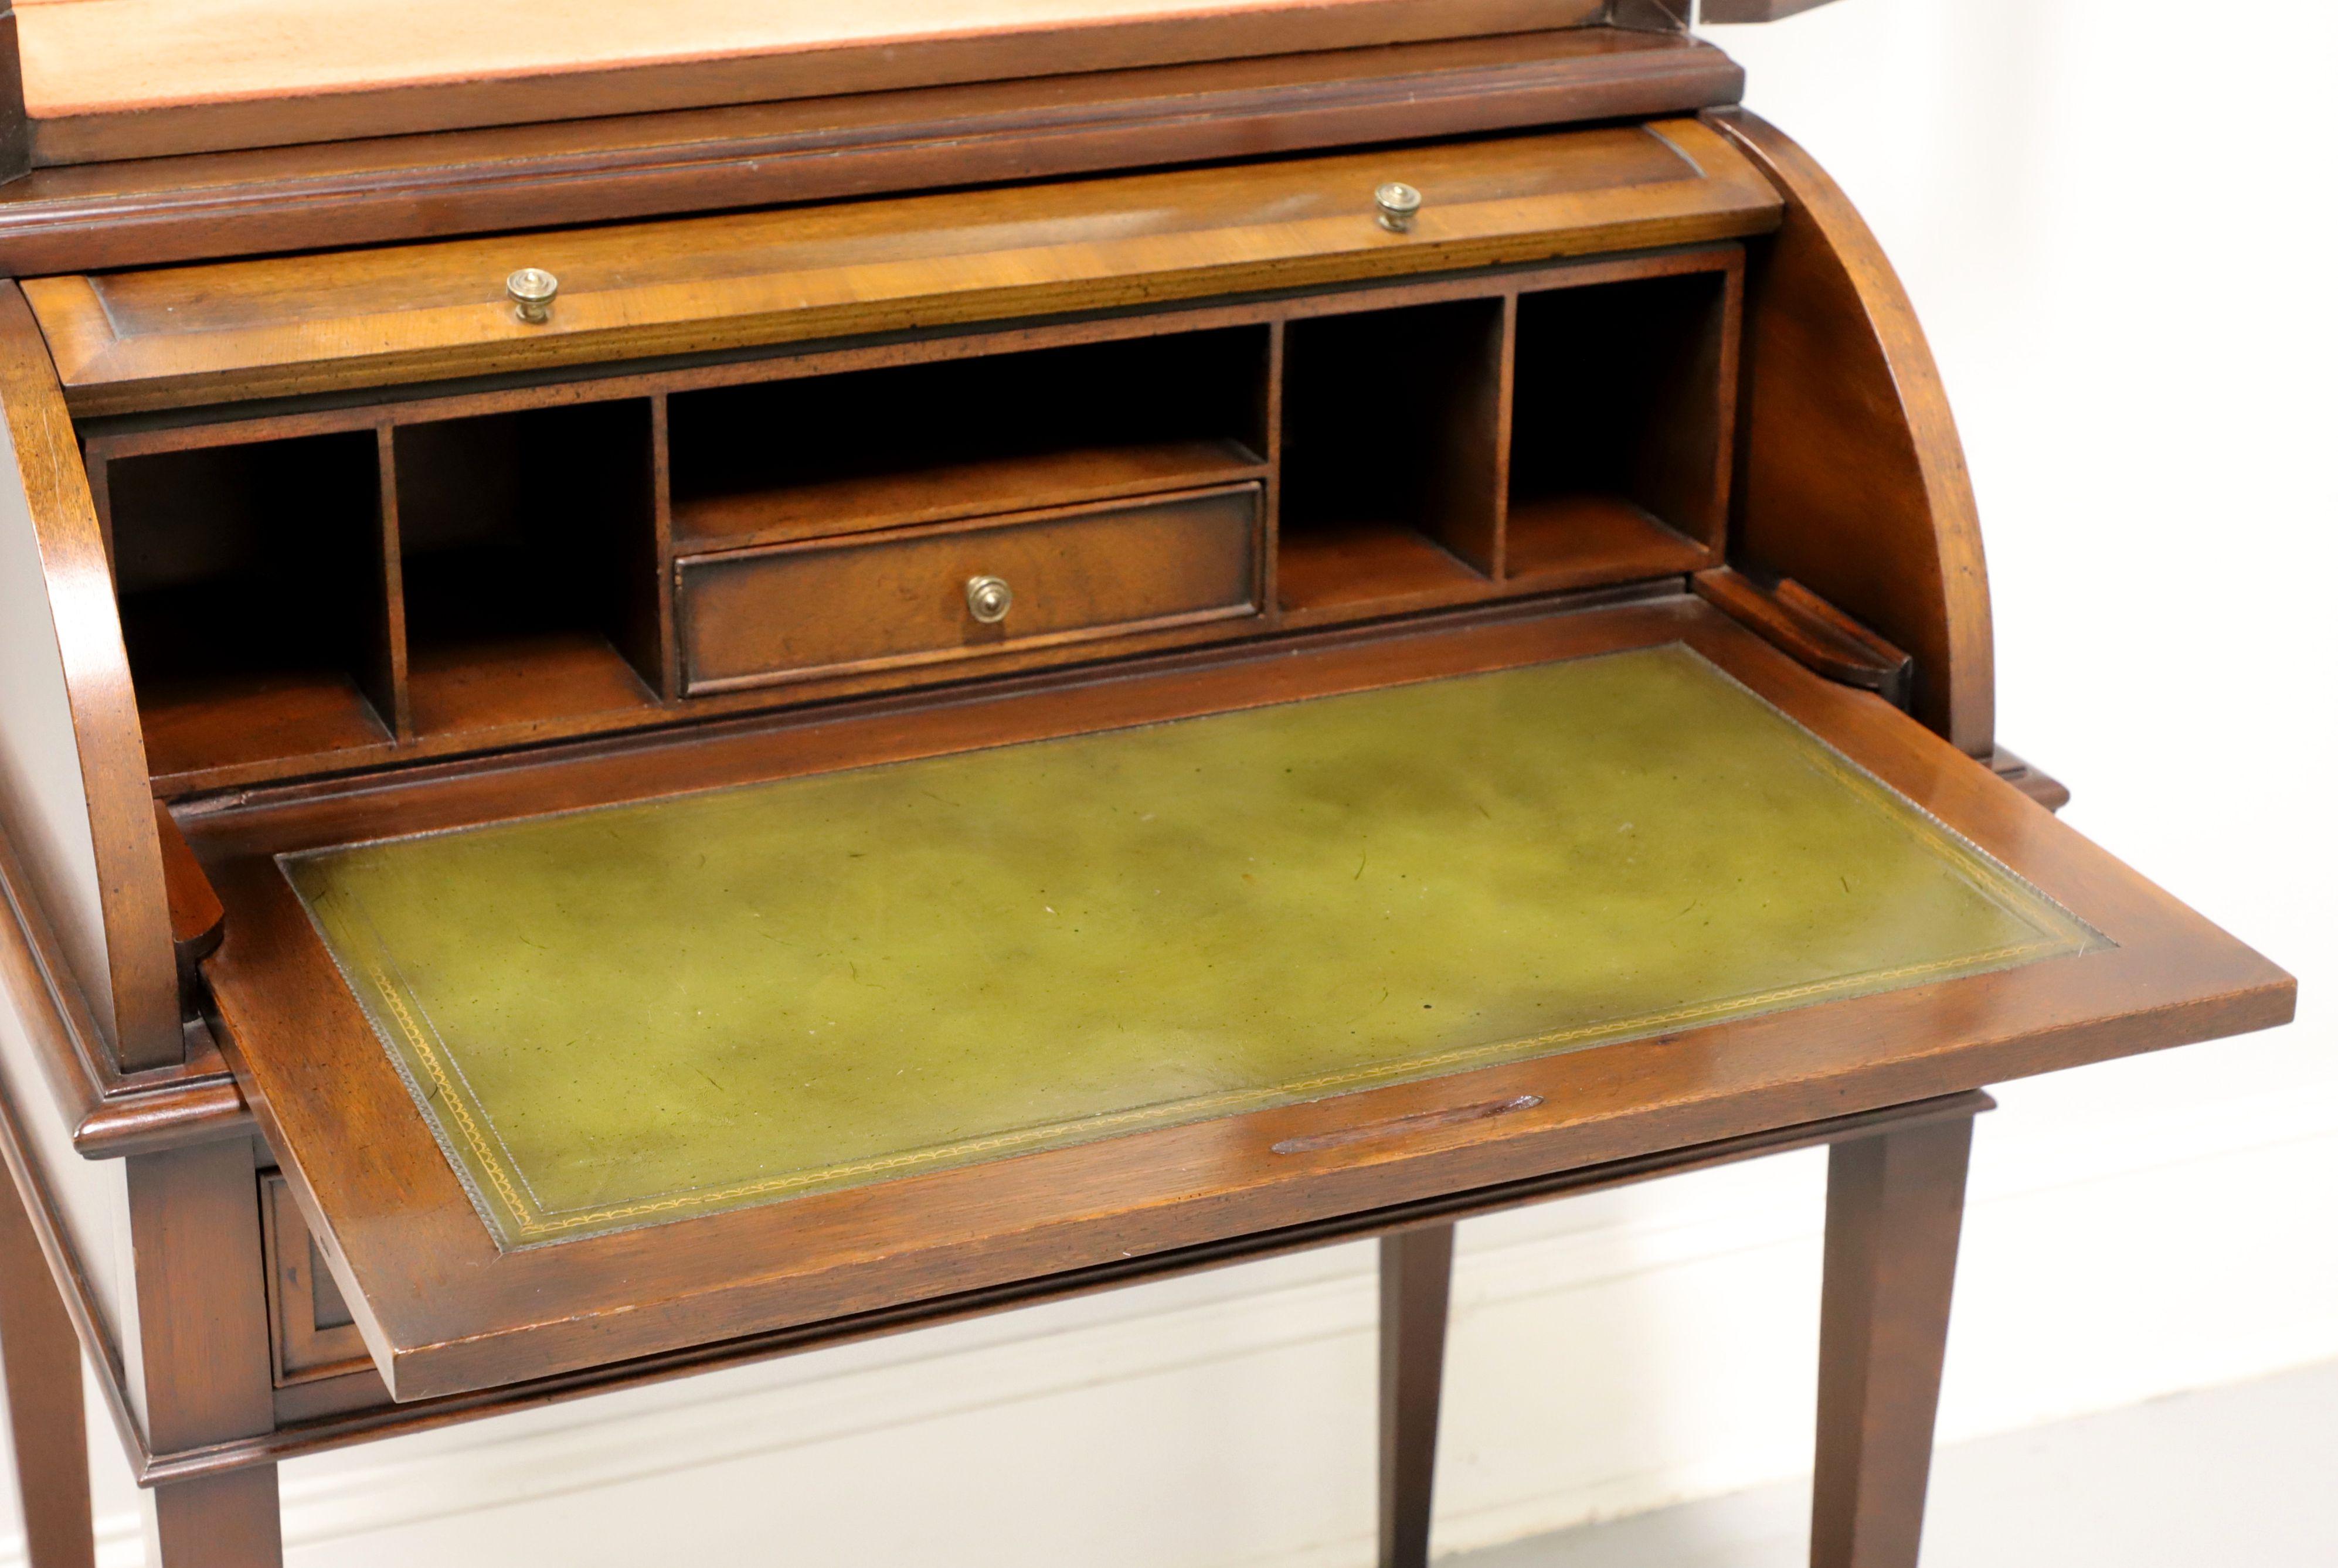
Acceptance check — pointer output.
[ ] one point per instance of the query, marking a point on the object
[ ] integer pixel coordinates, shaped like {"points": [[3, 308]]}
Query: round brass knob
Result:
{"points": [[990, 599], [531, 289], [1399, 204]]}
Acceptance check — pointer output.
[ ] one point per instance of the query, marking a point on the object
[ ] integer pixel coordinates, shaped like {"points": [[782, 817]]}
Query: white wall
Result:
{"points": [[2113, 220]]}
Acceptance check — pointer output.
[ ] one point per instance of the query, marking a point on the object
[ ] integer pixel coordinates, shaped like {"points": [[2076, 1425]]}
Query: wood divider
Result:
{"points": [[448, 574]]}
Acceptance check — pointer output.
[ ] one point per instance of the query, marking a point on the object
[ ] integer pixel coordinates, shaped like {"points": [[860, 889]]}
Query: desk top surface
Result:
{"points": [[1453, 966], [620, 1017]]}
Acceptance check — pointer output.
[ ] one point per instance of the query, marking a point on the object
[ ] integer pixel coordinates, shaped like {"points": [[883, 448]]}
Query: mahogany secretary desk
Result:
{"points": [[774, 680]]}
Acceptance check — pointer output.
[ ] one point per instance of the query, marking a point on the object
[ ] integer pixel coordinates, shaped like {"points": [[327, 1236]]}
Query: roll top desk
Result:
{"points": [[629, 743]]}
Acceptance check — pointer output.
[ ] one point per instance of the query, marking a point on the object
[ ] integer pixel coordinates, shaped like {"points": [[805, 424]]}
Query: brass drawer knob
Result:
{"points": [[1399, 204], [531, 289], [990, 599]]}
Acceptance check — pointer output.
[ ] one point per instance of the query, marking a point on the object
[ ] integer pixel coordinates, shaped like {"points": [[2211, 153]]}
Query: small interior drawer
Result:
{"points": [[311, 1334], [748, 617]]}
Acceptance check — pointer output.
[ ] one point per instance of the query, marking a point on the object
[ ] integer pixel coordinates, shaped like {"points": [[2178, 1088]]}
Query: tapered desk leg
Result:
{"points": [[42, 1360], [195, 1223], [1895, 1203], [230, 1521], [1415, 1285]]}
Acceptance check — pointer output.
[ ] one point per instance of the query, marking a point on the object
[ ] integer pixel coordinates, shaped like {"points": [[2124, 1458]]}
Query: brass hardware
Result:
{"points": [[1399, 203], [531, 289], [990, 599]]}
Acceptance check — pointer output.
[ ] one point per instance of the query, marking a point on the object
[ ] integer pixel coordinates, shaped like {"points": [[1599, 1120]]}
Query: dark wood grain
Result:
{"points": [[1397, 417], [204, 1368], [313, 1338], [932, 440], [529, 558], [1466, 459], [229, 1520], [1814, 632], [1629, 391], [751, 617], [1369, 566], [1852, 478], [382, 663], [173, 430], [354, 1409], [344, 192], [1895, 1203], [40, 1354], [1416, 1288], [1016, 482], [196, 916], [195, 1218], [73, 796], [1606, 359], [522, 684], [442, 1309], [197, 919], [574, 634], [289, 326], [1582, 541]]}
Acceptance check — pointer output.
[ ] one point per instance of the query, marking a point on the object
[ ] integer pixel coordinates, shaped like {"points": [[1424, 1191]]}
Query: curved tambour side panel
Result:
{"points": [[1850, 478], [73, 791]]}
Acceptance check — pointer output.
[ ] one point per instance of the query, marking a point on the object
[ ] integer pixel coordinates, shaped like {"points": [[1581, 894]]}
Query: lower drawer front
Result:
{"points": [[751, 616], [315, 1336]]}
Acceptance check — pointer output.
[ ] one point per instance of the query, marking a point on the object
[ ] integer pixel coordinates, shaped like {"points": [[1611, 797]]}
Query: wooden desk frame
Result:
{"points": [[213, 1425], [1895, 1198], [1835, 567]]}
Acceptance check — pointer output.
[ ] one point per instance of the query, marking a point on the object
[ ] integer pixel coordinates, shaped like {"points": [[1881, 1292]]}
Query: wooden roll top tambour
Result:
{"points": [[988, 691]]}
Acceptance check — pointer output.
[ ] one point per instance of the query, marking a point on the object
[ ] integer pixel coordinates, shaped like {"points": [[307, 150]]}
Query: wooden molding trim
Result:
{"points": [[107, 895], [355, 192], [110, 1114], [1835, 362], [382, 1419], [133, 342]]}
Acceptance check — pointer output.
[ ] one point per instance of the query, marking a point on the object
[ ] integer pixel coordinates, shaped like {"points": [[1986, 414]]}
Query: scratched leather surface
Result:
{"points": [[649, 1011]]}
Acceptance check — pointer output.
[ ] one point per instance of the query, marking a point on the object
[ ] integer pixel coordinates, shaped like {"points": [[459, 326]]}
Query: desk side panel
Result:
{"points": [[73, 795], [1852, 478]]}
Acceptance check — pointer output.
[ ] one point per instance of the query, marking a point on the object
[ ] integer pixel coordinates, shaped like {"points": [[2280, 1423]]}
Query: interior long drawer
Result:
{"points": [[176, 336]]}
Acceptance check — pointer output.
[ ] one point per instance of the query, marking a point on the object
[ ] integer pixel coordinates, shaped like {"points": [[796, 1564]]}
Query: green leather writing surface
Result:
{"points": [[648, 1012]]}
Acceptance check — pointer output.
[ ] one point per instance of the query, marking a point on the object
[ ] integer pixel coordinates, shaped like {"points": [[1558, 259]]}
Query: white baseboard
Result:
{"points": [[2236, 1474]]}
